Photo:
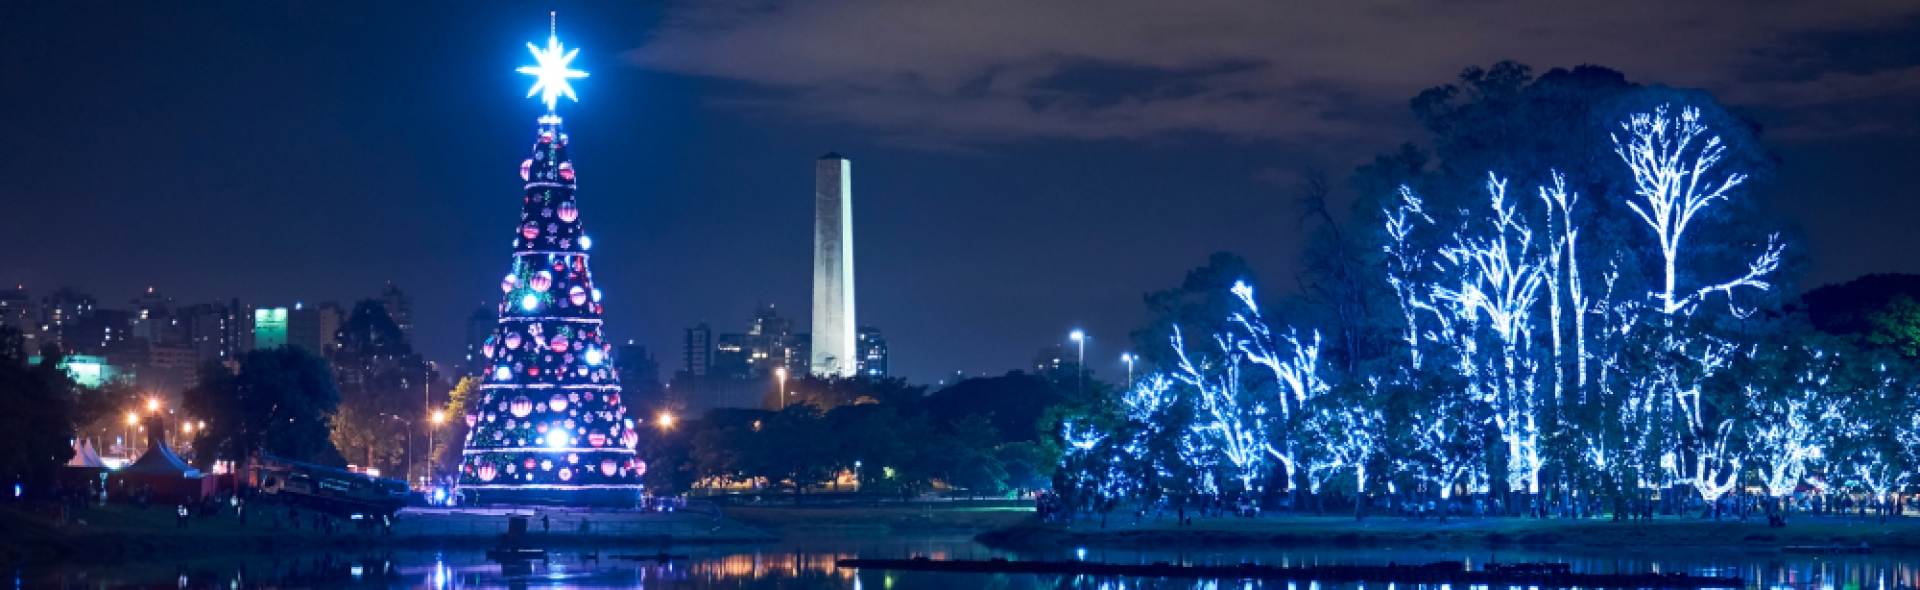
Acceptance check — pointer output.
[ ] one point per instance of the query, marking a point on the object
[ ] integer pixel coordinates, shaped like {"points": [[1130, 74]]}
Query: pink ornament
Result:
{"points": [[472, 419], [558, 403], [566, 171], [506, 284], [513, 340], [529, 463], [487, 472], [639, 468], [521, 406], [526, 169], [597, 439], [559, 343], [530, 230], [607, 467], [577, 295], [541, 281], [629, 439], [569, 211], [566, 474], [540, 428]]}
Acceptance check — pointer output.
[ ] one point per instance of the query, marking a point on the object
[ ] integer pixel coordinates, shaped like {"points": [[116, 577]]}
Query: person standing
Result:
{"points": [[182, 510]]}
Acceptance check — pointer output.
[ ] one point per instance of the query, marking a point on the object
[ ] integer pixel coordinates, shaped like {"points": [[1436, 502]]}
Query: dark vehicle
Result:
{"points": [[335, 491]]}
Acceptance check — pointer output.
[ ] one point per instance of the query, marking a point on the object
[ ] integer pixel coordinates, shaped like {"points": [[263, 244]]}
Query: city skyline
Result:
{"points": [[227, 187]]}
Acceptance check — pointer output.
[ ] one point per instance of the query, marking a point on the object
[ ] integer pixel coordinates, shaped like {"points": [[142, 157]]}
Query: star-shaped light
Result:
{"points": [[552, 74]]}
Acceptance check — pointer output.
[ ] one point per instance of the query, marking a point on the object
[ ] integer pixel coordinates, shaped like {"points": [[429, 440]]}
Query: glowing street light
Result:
{"points": [[153, 405], [133, 419], [1079, 371], [781, 373], [666, 420], [1129, 358]]}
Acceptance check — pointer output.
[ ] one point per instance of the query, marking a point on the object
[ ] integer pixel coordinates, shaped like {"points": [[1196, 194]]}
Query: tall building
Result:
{"points": [[217, 332], [873, 352], [60, 311], [1055, 361], [18, 312], [479, 326], [834, 344], [270, 327], [697, 354], [312, 328], [768, 344], [400, 308]]}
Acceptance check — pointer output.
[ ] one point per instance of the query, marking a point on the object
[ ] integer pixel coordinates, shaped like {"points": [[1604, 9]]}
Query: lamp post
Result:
{"points": [[1129, 358], [409, 423], [666, 420], [1079, 370], [133, 419], [781, 373], [439, 417]]}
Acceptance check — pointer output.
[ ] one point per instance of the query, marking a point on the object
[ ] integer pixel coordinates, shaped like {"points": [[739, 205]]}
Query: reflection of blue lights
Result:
{"points": [[593, 356], [586, 243], [557, 438], [1080, 553], [530, 303], [502, 373], [357, 570], [439, 495]]}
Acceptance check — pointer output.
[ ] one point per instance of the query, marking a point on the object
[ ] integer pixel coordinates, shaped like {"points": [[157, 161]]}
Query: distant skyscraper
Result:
{"points": [[697, 355], [835, 344], [312, 327], [480, 326], [17, 311], [400, 308], [873, 352], [270, 327]]}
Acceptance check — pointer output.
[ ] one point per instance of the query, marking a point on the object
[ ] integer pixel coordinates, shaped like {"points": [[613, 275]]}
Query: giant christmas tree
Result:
{"points": [[549, 426]]}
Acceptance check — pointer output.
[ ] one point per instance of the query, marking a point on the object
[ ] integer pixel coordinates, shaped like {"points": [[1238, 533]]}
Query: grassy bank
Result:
{"points": [[878, 518], [120, 533], [1122, 532]]}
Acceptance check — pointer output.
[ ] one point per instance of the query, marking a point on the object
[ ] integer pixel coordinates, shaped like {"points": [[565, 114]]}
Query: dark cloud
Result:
{"points": [[999, 70]]}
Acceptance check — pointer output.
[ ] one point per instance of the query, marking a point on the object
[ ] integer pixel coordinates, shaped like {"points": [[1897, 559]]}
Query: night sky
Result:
{"points": [[1020, 168]]}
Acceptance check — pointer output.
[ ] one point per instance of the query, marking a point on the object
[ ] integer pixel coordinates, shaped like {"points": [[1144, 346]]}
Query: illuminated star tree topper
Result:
{"points": [[552, 73]]}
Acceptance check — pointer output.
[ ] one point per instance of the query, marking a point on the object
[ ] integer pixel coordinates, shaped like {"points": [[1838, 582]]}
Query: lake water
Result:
{"points": [[809, 564]]}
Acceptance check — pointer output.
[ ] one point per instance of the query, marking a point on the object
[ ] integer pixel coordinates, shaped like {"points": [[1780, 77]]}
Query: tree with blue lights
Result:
{"points": [[548, 424]]}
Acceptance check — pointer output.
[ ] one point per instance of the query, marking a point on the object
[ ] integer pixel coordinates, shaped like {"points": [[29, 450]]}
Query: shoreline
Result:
{"points": [[118, 533], [1899, 534]]}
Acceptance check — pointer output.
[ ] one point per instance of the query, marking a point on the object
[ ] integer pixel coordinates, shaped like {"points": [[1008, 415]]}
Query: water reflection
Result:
{"points": [[809, 564]]}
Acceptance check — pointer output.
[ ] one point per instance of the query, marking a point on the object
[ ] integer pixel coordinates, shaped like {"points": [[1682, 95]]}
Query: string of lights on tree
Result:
{"points": [[1510, 363]]}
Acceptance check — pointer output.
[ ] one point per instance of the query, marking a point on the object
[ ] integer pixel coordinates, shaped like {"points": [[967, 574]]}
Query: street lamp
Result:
{"points": [[409, 423], [781, 373], [1079, 371], [1129, 358], [133, 419], [666, 420], [439, 417], [153, 405]]}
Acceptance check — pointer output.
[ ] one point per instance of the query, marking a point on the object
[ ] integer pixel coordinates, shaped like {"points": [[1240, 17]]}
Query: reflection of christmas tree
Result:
{"points": [[548, 425]]}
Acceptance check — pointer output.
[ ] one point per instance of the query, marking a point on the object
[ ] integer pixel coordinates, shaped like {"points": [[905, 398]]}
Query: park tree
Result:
{"points": [[279, 401], [36, 431]]}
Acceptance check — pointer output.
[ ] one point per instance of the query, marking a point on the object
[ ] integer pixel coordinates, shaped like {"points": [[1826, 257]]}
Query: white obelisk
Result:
{"points": [[834, 344]]}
